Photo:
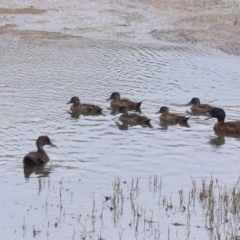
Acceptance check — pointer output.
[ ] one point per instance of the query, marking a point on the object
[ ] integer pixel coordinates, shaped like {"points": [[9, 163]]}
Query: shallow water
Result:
{"points": [[40, 73]]}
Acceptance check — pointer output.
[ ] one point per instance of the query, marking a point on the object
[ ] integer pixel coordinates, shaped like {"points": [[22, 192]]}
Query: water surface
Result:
{"points": [[40, 73]]}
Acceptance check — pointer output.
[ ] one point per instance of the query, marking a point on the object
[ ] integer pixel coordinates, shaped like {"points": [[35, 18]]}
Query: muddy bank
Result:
{"points": [[211, 23]]}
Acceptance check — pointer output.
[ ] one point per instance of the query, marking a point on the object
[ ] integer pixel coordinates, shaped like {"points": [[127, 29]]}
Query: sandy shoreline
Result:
{"points": [[210, 23]]}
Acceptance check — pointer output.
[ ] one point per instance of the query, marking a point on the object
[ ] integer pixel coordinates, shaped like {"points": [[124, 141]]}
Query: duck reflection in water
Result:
{"points": [[220, 138], [165, 125], [125, 126], [74, 115], [115, 110], [217, 141], [40, 170], [77, 115]]}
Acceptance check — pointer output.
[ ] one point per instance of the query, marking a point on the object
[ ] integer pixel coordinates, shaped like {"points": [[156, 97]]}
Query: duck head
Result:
{"points": [[163, 109], [44, 140], [123, 110], [218, 113], [115, 96], [194, 101], [74, 100]]}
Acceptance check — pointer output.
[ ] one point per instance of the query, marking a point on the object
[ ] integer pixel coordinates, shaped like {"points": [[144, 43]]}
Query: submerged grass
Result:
{"points": [[219, 204], [142, 209]]}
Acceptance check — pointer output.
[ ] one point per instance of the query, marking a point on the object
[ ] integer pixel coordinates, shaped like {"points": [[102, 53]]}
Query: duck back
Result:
{"points": [[86, 108], [173, 118], [35, 158], [228, 127], [125, 102], [134, 118], [202, 108]]}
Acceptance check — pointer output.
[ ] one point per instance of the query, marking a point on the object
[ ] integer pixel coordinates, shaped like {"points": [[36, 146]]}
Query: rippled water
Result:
{"points": [[39, 74]]}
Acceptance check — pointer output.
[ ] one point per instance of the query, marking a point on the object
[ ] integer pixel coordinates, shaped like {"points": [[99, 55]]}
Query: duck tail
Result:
{"points": [[139, 104], [186, 119], [27, 160], [147, 121], [100, 111]]}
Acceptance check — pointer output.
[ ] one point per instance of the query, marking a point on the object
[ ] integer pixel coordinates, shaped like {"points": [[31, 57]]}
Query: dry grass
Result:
{"points": [[213, 23]]}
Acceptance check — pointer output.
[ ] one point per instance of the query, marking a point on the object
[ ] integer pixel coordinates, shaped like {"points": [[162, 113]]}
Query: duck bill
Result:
{"points": [[157, 112], [68, 102], [52, 145], [189, 104], [108, 99], [208, 118]]}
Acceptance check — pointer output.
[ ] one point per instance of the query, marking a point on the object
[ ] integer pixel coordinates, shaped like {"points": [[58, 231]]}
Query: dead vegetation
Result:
{"points": [[140, 208], [213, 23]]}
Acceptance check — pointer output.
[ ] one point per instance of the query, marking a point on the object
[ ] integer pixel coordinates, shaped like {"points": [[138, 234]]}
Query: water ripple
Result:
{"points": [[39, 76]]}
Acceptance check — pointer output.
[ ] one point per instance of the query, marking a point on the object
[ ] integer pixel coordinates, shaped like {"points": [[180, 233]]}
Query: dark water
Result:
{"points": [[39, 75]]}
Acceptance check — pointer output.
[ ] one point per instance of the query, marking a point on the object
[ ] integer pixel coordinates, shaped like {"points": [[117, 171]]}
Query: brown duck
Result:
{"points": [[77, 106], [221, 126], [40, 156], [199, 108], [116, 101], [132, 118], [171, 117]]}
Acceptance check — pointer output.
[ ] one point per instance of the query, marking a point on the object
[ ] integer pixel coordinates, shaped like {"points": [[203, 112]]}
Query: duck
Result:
{"points": [[116, 101], [171, 117], [221, 126], [132, 118], [77, 106], [40, 156], [199, 108]]}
